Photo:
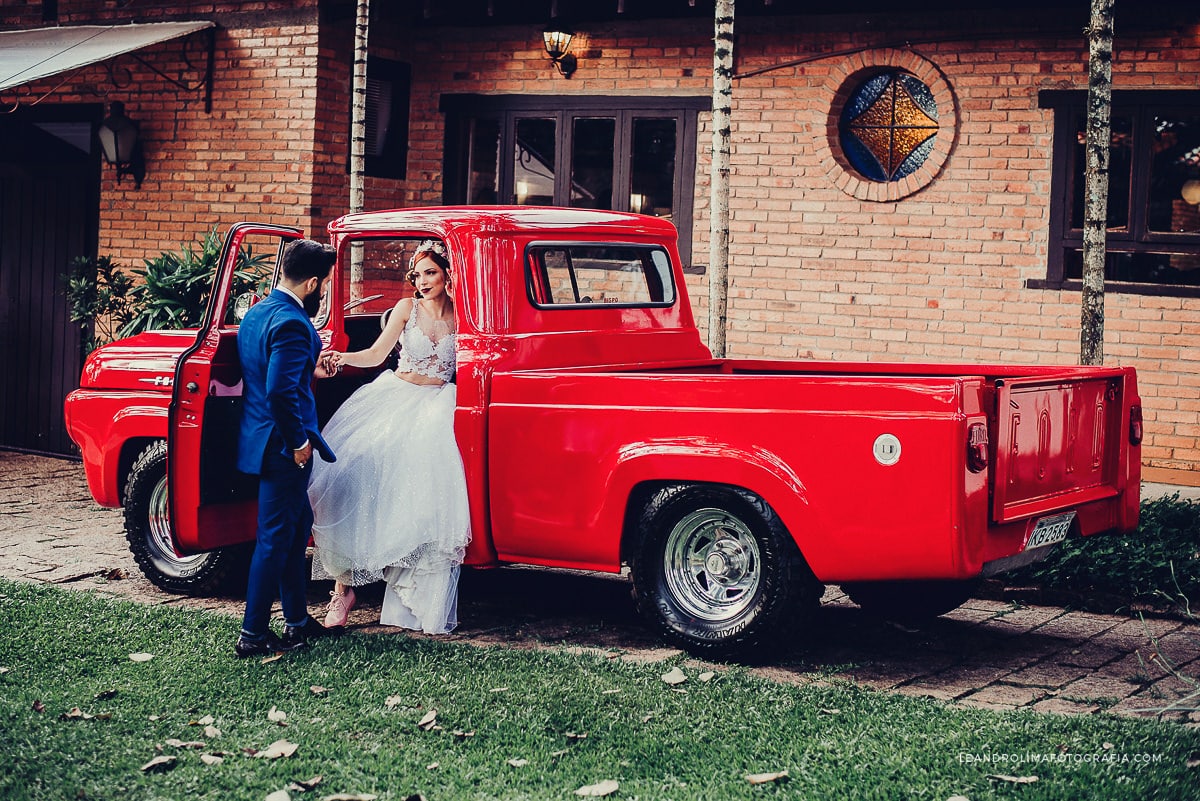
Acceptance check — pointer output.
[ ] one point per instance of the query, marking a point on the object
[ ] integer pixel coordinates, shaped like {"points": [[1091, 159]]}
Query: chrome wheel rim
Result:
{"points": [[711, 565], [158, 534]]}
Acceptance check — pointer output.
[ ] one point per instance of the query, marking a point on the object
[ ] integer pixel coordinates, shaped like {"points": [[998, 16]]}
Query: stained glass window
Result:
{"points": [[888, 126]]}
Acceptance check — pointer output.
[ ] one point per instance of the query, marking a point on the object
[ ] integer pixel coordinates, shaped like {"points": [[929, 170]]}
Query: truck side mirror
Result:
{"points": [[242, 304]]}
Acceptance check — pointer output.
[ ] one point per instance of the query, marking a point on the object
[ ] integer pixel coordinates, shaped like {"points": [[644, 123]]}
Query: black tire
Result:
{"points": [[716, 572], [148, 531], [911, 601]]}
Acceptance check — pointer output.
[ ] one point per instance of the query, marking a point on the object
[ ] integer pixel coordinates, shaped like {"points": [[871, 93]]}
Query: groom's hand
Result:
{"points": [[301, 456]]}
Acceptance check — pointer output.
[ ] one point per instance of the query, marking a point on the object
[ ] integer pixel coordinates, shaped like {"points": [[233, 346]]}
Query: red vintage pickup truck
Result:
{"points": [[599, 433]]}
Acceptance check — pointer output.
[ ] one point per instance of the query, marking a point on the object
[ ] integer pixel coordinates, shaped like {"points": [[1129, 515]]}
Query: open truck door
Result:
{"points": [[211, 504]]}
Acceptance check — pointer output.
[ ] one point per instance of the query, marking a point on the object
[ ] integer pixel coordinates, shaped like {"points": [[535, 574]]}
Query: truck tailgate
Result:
{"points": [[1058, 443]]}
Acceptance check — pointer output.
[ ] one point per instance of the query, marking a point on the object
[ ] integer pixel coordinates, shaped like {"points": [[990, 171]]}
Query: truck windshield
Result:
{"points": [[587, 274]]}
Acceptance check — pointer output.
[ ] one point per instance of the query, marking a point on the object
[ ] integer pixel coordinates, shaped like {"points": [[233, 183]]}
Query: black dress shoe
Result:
{"points": [[298, 636], [271, 644]]}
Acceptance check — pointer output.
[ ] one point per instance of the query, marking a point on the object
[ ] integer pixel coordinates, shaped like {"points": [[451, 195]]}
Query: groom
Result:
{"points": [[279, 349]]}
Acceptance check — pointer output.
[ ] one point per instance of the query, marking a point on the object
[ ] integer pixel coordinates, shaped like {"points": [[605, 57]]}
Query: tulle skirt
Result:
{"points": [[393, 507]]}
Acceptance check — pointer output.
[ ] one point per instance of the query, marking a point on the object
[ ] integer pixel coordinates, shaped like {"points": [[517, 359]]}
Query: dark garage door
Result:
{"points": [[48, 216]]}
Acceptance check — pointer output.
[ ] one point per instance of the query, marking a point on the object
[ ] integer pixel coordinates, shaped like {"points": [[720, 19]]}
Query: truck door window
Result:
{"points": [[587, 275], [254, 275]]}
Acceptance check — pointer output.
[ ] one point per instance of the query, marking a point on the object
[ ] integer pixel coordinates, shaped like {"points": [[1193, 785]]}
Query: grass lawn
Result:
{"points": [[509, 723]]}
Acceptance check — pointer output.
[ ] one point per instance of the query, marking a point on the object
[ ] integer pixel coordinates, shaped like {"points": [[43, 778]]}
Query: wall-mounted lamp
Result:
{"points": [[121, 144], [558, 39], [1190, 192]]}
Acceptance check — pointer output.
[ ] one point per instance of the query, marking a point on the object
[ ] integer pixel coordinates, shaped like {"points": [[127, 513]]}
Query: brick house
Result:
{"points": [[957, 240]]}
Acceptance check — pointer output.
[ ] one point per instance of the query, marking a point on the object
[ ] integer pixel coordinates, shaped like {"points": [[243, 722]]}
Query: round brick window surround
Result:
{"points": [[892, 113]]}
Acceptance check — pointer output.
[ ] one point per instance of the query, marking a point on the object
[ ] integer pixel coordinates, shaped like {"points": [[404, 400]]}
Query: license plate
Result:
{"points": [[1050, 530]]}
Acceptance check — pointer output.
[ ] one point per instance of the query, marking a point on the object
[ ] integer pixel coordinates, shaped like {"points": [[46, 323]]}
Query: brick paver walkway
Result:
{"points": [[995, 654]]}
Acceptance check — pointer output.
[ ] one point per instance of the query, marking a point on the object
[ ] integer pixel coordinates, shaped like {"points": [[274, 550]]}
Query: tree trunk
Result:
{"points": [[1095, 210], [722, 106], [358, 136]]}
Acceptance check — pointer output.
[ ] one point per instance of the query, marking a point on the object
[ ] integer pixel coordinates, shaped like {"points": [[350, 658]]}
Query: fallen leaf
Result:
{"points": [[75, 713], [159, 763], [277, 716], [462, 735], [271, 658], [204, 721], [393, 701], [279, 795], [831, 711], [140, 657], [573, 736], [39, 707], [364, 797], [518, 763], [152, 718], [707, 676], [116, 574], [610, 692], [317, 689], [1013, 779], [606, 787], [958, 798], [647, 718], [212, 732], [1193, 763], [181, 744], [432, 766], [498, 690], [4, 670], [277, 749], [767, 778], [211, 759], [305, 786], [104, 695], [1108, 746], [428, 721], [557, 754], [674, 676]]}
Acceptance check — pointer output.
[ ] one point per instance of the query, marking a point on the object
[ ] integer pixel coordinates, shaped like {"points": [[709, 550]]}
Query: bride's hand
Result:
{"points": [[328, 364]]}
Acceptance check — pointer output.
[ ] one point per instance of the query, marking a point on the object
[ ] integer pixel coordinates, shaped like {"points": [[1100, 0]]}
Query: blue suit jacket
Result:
{"points": [[278, 348]]}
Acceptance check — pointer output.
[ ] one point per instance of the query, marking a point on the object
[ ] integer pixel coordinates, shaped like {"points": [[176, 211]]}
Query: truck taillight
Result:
{"points": [[977, 447], [1135, 425]]}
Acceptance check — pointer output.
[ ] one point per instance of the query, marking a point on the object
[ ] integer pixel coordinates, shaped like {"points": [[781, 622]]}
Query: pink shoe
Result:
{"points": [[339, 607]]}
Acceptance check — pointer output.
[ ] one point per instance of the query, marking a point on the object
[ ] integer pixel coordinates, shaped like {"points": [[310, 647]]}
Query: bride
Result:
{"points": [[393, 507]]}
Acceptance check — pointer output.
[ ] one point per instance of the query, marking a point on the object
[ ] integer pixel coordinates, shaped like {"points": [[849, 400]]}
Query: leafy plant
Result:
{"points": [[1157, 564], [100, 295], [175, 286]]}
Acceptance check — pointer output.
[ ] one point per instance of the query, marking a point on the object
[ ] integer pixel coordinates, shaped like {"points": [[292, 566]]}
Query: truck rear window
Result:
{"points": [[588, 274]]}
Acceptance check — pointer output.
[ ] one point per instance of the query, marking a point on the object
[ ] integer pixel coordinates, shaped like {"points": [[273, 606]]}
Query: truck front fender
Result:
{"points": [[102, 424]]}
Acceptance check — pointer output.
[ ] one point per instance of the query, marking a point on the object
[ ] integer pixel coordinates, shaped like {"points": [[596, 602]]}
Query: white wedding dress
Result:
{"points": [[393, 507]]}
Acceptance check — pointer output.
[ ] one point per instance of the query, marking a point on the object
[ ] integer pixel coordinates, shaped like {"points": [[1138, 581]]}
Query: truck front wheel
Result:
{"points": [[148, 531], [910, 601], [716, 571]]}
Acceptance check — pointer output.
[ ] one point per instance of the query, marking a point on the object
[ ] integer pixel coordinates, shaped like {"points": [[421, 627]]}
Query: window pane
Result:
{"points": [[605, 274], [533, 162], [653, 167], [483, 170], [592, 162], [1175, 175], [1119, 171], [1148, 268]]}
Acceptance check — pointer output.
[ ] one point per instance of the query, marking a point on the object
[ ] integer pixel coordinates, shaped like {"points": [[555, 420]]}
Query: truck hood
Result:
{"points": [[143, 362]]}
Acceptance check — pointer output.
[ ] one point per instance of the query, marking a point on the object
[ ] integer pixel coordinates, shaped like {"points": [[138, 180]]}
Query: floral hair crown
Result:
{"points": [[428, 246]]}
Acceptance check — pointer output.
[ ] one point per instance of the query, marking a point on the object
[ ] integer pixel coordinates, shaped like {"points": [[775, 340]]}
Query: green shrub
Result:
{"points": [[175, 286], [99, 294], [110, 303], [1159, 564]]}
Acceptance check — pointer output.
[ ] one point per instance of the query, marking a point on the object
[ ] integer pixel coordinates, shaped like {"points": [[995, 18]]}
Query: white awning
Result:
{"points": [[29, 55]]}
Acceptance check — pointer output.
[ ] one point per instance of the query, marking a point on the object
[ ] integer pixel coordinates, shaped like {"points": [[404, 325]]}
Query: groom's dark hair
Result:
{"points": [[304, 259]]}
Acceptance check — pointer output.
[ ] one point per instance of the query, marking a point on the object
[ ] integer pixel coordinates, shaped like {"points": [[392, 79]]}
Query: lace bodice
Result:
{"points": [[426, 346]]}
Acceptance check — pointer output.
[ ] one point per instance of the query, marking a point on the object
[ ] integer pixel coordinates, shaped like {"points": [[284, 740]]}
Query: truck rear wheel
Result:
{"points": [[716, 571], [148, 531], [910, 601]]}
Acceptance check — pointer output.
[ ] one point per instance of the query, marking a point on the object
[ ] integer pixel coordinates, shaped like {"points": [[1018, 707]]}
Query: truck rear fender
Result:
{"points": [[641, 468]]}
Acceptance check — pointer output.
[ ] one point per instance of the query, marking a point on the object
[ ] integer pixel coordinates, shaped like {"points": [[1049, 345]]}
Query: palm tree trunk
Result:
{"points": [[1095, 211], [722, 106], [358, 136]]}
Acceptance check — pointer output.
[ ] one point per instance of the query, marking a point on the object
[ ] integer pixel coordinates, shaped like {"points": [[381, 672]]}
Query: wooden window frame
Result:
{"points": [[1069, 108], [460, 110]]}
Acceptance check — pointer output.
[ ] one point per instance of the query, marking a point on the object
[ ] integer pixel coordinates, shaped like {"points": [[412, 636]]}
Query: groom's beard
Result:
{"points": [[312, 303]]}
